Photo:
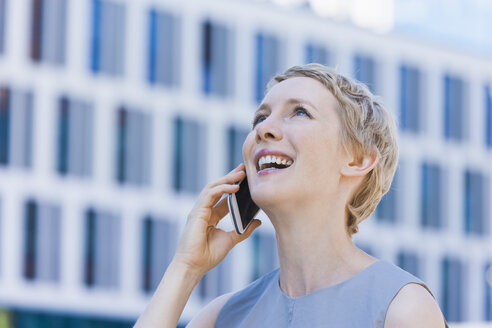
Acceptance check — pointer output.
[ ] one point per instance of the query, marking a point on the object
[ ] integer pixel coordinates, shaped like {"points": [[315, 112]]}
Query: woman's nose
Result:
{"points": [[269, 129]]}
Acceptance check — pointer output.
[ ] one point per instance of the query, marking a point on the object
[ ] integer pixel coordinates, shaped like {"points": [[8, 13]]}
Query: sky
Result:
{"points": [[465, 24], [462, 24]]}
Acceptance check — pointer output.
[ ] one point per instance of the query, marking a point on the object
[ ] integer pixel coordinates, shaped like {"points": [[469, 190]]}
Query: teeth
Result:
{"points": [[268, 159]]}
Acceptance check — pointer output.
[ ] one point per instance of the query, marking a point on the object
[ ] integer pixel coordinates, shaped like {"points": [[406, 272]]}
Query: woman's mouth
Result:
{"points": [[271, 163]]}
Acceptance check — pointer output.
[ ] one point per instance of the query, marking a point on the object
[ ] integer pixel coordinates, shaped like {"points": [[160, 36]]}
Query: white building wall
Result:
{"points": [[294, 29]]}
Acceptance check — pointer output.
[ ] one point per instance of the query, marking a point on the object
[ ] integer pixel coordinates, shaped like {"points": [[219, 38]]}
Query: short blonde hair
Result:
{"points": [[366, 127]]}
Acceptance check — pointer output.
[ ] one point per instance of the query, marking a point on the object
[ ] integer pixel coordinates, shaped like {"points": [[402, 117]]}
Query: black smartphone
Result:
{"points": [[243, 209]]}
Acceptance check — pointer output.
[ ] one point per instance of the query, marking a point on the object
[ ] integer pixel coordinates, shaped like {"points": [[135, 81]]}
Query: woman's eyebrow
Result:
{"points": [[262, 107], [289, 101], [301, 101]]}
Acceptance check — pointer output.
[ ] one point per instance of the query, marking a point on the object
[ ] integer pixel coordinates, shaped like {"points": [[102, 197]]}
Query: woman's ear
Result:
{"points": [[360, 165]]}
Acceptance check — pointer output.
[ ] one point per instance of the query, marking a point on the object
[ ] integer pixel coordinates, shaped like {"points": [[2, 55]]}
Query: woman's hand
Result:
{"points": [[202, 245]]}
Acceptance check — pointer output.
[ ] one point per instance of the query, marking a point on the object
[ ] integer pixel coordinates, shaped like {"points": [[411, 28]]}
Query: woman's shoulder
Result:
{"points": [[412, 303], [209, 314], [388, 277], [414, 306]]}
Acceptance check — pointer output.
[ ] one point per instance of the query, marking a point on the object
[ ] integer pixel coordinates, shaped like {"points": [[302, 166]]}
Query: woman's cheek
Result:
{"points": [[247, 144]]}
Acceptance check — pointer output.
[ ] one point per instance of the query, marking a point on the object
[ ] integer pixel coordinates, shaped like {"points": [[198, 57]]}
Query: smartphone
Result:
{"points": [[242, 208]]}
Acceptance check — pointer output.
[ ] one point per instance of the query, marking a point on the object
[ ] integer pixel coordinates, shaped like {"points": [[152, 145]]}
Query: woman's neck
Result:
{"points": [[314, 250]]}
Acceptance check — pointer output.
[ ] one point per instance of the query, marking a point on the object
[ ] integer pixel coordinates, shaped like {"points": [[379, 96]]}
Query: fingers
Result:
{"points": [[211, 196], [213, 191], [220, 210], [231, 177], [237, 238]]}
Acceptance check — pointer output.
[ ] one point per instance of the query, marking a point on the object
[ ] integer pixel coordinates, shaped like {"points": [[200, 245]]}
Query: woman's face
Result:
{"points": [[294, 153]]}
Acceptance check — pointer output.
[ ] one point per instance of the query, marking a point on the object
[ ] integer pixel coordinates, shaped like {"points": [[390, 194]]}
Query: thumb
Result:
{"points": [[252, 227]]}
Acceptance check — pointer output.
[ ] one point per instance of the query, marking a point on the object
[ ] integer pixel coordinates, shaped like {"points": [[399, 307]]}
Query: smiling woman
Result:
{"points": [[321, 153]]}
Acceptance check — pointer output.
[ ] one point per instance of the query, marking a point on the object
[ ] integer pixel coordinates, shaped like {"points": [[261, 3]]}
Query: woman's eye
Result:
{"points": [[258, 119], [300, 111]]}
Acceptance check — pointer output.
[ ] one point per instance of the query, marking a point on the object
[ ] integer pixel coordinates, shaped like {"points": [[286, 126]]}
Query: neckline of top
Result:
{"points": [[334, 286]]}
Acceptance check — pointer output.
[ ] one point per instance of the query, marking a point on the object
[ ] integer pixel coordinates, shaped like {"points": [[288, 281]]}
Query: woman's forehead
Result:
{"points": [[301, 90]]}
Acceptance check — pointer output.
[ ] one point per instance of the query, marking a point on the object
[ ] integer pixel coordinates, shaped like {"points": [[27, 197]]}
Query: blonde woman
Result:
{"points": [[344, 154]]}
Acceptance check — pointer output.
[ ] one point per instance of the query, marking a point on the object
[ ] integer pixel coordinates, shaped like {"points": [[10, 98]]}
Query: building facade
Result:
{"points": [[114, 114]]}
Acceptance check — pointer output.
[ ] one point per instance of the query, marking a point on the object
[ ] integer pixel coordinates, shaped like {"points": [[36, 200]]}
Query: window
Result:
{"points": [[217, 281], [452, 289], [15, 127], [75, 133], [265, 258], [2, 25], [134, 145], [48, 31], [217, 59], [159, 243], [410, 98], [42, 241], [4, 125], [365, 71], [190, 155], [102, 249], [454, 108], [488, 116], [409, 261], [236, 139], [488, 291], [475, 202], [108, 37], [164, 49], [431, 195], [268, 50], [387, 209], [1, 234], [317, 54]]}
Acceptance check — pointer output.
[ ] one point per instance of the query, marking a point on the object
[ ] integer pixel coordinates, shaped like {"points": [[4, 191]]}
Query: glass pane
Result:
{"points": [[3, 24], [488, 116], [108, 37], [267, 62], [4, 125], [452, 289], [365, 71], [317, 54], [431, 196], [30, 254], [236, 139], [454, 101]]}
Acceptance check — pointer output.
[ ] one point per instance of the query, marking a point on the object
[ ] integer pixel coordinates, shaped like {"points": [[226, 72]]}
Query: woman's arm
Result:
{"points": [[201, 247], [414, 306], [207, 317], [170, 297]]}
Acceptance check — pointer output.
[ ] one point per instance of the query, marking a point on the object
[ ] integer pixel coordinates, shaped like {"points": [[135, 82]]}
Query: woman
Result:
{"points": [[343, 149]]}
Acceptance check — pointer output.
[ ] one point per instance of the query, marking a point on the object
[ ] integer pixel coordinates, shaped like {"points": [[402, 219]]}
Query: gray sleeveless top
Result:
{"points": [[360, 301]]}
